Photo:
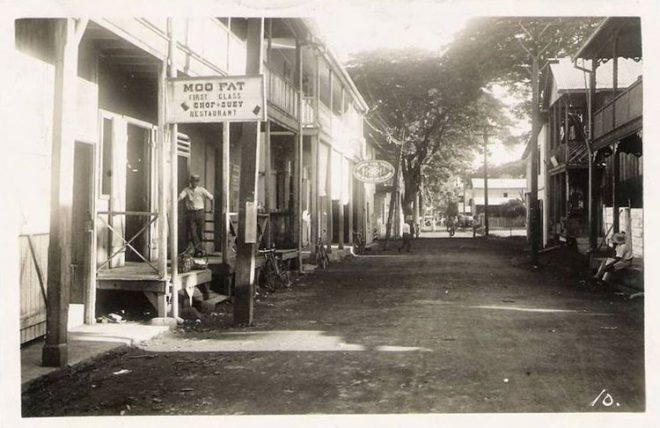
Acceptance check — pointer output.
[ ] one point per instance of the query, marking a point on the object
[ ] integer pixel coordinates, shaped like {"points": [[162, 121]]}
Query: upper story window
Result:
{"points": [[505, 194]]}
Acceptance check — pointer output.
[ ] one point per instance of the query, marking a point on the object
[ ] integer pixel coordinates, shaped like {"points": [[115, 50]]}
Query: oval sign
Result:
{"points": [[373, 171]]}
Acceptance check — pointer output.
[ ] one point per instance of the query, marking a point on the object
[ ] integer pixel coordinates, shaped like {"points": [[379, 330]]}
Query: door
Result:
{"points": [[183, 177], [138, 189], [83, 185]]}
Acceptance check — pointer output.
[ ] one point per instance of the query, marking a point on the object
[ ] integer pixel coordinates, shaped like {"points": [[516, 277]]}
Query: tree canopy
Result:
{"points": [[439, 104]]}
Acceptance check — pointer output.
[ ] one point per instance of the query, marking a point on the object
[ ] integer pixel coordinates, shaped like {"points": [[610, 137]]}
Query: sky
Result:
{"points": [[370, 25]]}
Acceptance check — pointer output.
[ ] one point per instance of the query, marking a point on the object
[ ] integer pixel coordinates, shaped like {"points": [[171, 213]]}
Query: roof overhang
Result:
{"points": [[626, 30]]}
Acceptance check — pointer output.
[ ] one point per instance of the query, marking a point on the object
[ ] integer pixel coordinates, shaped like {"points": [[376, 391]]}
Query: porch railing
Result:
{"points": [[281, 93], [126, 244], [623, 109]]}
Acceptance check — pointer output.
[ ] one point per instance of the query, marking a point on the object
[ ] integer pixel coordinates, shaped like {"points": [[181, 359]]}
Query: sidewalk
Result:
{"points": [[86, 342]]}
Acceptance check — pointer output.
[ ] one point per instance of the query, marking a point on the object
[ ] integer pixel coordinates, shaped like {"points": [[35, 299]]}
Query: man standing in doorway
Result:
{"points": [[195, 197]]}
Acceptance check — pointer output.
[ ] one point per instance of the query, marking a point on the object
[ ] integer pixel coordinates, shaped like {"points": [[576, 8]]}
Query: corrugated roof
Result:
{"points": [[568, 78], [500, 183]]}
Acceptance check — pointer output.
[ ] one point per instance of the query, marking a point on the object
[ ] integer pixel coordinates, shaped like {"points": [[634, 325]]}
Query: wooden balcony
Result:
{"points": [[620, 116], [281, 93]]}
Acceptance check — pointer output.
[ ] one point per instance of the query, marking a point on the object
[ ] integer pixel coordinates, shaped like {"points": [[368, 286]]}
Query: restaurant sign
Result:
{"points": [[373, 171], [215, 99]]}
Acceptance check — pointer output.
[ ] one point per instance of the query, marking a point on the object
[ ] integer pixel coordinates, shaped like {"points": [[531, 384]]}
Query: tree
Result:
{"points": [[434, 110], [437, 104]]}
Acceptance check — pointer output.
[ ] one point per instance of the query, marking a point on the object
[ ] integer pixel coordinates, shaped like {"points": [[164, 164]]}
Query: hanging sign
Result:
{"points": [[215, 99], [373, 171]]}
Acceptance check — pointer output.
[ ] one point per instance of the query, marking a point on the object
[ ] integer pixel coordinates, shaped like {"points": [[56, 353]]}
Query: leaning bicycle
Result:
{"points": [[273, 274]]}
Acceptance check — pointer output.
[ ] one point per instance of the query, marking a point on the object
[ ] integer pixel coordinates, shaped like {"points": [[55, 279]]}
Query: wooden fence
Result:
{"points": [[33, 275]]}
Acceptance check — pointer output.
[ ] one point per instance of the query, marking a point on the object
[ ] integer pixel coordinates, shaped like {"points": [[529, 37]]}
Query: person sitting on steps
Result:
{"points": [[622, 259]]}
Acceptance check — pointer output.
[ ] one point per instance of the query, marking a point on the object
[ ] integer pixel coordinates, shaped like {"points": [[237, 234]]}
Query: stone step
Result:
{"points": [[213, 300]]}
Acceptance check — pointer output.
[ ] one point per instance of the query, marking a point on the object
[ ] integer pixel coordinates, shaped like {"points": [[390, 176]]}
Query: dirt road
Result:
{"points": [[457, 325]]}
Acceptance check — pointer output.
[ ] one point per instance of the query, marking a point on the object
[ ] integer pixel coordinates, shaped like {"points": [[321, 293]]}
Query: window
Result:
{"points": [[505, 194]]}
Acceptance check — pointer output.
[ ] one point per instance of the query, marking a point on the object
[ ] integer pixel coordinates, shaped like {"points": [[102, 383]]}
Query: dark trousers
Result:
{"points": [[195, 228]]}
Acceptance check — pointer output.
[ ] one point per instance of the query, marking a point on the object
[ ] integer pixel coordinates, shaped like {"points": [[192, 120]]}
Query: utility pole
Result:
{"points": [[486, 184], [534, 197]]}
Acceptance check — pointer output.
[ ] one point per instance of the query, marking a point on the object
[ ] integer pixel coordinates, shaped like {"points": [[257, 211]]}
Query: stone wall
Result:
{"points": [[637, 226]]}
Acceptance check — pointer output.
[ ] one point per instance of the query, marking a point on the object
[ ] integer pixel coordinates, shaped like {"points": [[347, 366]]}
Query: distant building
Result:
{"points": [[500, 191]]}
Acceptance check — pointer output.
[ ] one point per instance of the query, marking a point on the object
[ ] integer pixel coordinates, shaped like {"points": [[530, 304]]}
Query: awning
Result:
{"points": [[599, 44]]}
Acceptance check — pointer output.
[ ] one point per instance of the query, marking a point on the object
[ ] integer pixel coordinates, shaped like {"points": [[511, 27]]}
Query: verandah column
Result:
{"points": [[68, 33], [247, 205], [174, 212]]}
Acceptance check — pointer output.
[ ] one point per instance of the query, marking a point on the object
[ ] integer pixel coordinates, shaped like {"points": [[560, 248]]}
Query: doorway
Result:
{"points": [[138, 189]]}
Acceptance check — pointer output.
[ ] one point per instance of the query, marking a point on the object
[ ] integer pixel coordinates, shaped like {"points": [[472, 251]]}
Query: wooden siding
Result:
{"points": [[32, 305], [205, 46]]}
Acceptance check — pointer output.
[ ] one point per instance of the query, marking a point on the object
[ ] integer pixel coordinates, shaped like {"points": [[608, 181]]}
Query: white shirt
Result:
{"points": [[406, 228], [623, 252], [195, 197]]}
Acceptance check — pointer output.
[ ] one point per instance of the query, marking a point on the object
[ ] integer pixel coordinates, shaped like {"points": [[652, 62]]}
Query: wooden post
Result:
{"points": [[174, 212], [486, 226], [267, 184], [340, 209], [162, 174], [567, 189], [299, 154], [246, 240], [593, 229], [615, 184], [68, 33], [314, 209], [314, 173], [615, 146], [329, 199], [534, 196], [222, 177], [350, 204]]}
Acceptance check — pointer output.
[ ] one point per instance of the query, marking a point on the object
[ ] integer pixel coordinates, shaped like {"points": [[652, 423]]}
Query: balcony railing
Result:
{"points": [[573, 153], [623, 109], [281, 93]]}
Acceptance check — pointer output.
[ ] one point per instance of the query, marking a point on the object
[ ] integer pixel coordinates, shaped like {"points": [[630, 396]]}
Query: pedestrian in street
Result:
{"points": [[621, 260], [195, 197], [406, 237]]}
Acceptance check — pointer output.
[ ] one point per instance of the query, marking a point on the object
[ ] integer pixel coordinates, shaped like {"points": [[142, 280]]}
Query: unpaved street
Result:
{"points": [[457, 325]]}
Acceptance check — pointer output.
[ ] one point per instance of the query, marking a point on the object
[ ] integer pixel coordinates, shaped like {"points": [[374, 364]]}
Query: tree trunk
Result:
{"points": [[412, 179]]}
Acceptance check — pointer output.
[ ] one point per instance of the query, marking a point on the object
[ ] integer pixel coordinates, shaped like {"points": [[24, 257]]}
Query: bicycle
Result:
{"points": [[359, 245], [322, 258], [273, 273]]}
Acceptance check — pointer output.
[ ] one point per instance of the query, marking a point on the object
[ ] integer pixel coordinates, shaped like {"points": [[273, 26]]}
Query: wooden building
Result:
{"points": [[563, 149], [616, 131], [93, 91]]}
